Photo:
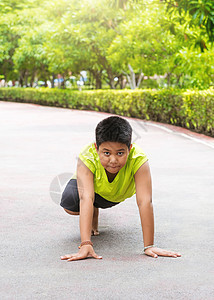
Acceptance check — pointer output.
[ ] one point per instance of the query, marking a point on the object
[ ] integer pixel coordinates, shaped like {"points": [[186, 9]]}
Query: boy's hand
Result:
{"points": [[84, 252], [154, 252]]}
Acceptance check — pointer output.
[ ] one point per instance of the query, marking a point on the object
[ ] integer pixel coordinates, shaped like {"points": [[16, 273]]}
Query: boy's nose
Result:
{"points": [[113, 159]]}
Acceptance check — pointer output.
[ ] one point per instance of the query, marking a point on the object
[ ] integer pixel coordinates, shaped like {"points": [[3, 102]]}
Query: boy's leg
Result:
{"points": [[74, 213], [95, 222], [70, 198], [70, 203]]}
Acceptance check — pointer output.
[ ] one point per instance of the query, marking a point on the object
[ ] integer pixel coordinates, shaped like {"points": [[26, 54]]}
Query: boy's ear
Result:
{"points": [[130, 147], [95, 146]]}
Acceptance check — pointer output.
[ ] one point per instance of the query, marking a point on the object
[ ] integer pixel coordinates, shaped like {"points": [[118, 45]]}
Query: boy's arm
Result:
{"points": [[143, 186], [85, 183]]}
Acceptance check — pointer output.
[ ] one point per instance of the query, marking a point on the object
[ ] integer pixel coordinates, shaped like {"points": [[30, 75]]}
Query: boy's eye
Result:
{"points": [[106, 153], [120, 153]]}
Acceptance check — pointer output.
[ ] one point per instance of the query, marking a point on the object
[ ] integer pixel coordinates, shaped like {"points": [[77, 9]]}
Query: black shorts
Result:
{"points": [[70, 198]]}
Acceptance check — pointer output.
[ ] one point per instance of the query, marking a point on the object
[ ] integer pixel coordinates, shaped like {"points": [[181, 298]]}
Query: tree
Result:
{"points": [[196, 68], [85, 34], [201, 12], [145, 47], [30, 59], [15, 22], [110, 39]]}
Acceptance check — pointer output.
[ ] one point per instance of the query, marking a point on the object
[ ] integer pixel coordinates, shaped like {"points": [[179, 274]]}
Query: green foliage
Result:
{"points": [[199, 68], [17, 5], [201, 12], [190, 109], [127, 39]]}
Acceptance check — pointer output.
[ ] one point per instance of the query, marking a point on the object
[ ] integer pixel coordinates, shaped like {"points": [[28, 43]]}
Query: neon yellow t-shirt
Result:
{"points": [[123, 185]]}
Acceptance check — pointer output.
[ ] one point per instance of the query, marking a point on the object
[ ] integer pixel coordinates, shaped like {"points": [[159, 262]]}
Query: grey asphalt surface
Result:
{"points": [[41, 143]]}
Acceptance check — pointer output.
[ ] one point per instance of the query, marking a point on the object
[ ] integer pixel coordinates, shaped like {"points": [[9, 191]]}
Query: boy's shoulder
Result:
{"points": [[89, 156], [136, 151], [89, 151], [137, 157]]}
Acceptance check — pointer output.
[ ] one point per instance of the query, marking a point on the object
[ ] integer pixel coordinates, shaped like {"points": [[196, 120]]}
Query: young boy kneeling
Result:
{"points": [[108, 172]]}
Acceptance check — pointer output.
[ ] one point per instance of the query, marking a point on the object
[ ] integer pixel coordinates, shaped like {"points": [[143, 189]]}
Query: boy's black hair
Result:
{"points": [[114, 129]]}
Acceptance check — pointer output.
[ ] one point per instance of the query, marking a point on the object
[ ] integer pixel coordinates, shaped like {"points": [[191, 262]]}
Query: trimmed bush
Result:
{"points": [[190, 109]]}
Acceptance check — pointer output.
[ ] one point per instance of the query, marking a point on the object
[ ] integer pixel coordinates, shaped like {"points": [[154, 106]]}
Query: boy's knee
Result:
{"points": [[74, 213]]}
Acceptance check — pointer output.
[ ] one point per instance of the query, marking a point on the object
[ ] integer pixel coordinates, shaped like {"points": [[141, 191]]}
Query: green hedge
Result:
{"points": [[190, 109]]}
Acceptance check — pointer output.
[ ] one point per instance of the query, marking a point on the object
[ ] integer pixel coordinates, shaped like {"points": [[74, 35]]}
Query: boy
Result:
{"points": [[108, 172]]}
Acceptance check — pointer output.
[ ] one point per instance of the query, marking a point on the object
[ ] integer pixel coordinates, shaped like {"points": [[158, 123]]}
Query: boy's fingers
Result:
{"points": [[173, 254], [67, 256], [169, 253], [163, 252], [78, 257], [154, 255], [96, 256], [177, 254], [75, 258], [150, 253]]}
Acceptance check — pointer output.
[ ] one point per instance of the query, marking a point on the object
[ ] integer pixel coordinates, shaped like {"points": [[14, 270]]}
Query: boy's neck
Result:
{"points": [[110, 176]]}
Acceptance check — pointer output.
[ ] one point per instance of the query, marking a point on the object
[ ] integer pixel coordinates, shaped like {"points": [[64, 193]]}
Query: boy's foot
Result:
{"points": [[95, 232]]}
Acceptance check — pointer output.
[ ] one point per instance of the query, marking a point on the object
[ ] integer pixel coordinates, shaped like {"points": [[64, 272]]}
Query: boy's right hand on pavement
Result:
{"points": [[84, 252]]}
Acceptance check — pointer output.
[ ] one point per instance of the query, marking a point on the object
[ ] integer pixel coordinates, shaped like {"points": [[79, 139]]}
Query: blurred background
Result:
{"points": [[107, 44]]}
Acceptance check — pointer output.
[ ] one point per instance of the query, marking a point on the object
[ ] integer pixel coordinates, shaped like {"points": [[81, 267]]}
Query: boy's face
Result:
{"points": [[113, 156]]}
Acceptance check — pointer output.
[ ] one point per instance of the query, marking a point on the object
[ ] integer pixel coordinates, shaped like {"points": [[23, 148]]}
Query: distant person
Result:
{"points": [[108, 172]]}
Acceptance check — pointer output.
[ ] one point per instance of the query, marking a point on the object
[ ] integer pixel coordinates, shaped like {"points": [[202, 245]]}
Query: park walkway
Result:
{"points": [[38, 148]]}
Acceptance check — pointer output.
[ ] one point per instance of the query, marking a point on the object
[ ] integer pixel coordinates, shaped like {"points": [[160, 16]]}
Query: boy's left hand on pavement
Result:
{"points": [[155, 252], [84, 252]]}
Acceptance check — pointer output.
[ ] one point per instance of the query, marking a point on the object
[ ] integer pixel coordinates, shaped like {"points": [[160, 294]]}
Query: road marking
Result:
{"points": [[201, 141], [196, 140], [161, 127]]}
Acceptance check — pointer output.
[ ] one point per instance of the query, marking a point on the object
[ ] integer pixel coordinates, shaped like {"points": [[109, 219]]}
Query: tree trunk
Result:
{"points": [[140, 78], [123, 82], [112, 84], [52, 80], [106, 66], [32, 78], [26, 78], [98, 78], [90, 80], [178, 80], [111, 81], [21, 78], [63, 82], [168, 78], [131, 78], [5, 80], [98, 82], [21, 81]]}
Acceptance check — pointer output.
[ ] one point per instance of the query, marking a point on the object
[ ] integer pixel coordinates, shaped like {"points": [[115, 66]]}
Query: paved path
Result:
{"points": [[40, 143]]}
